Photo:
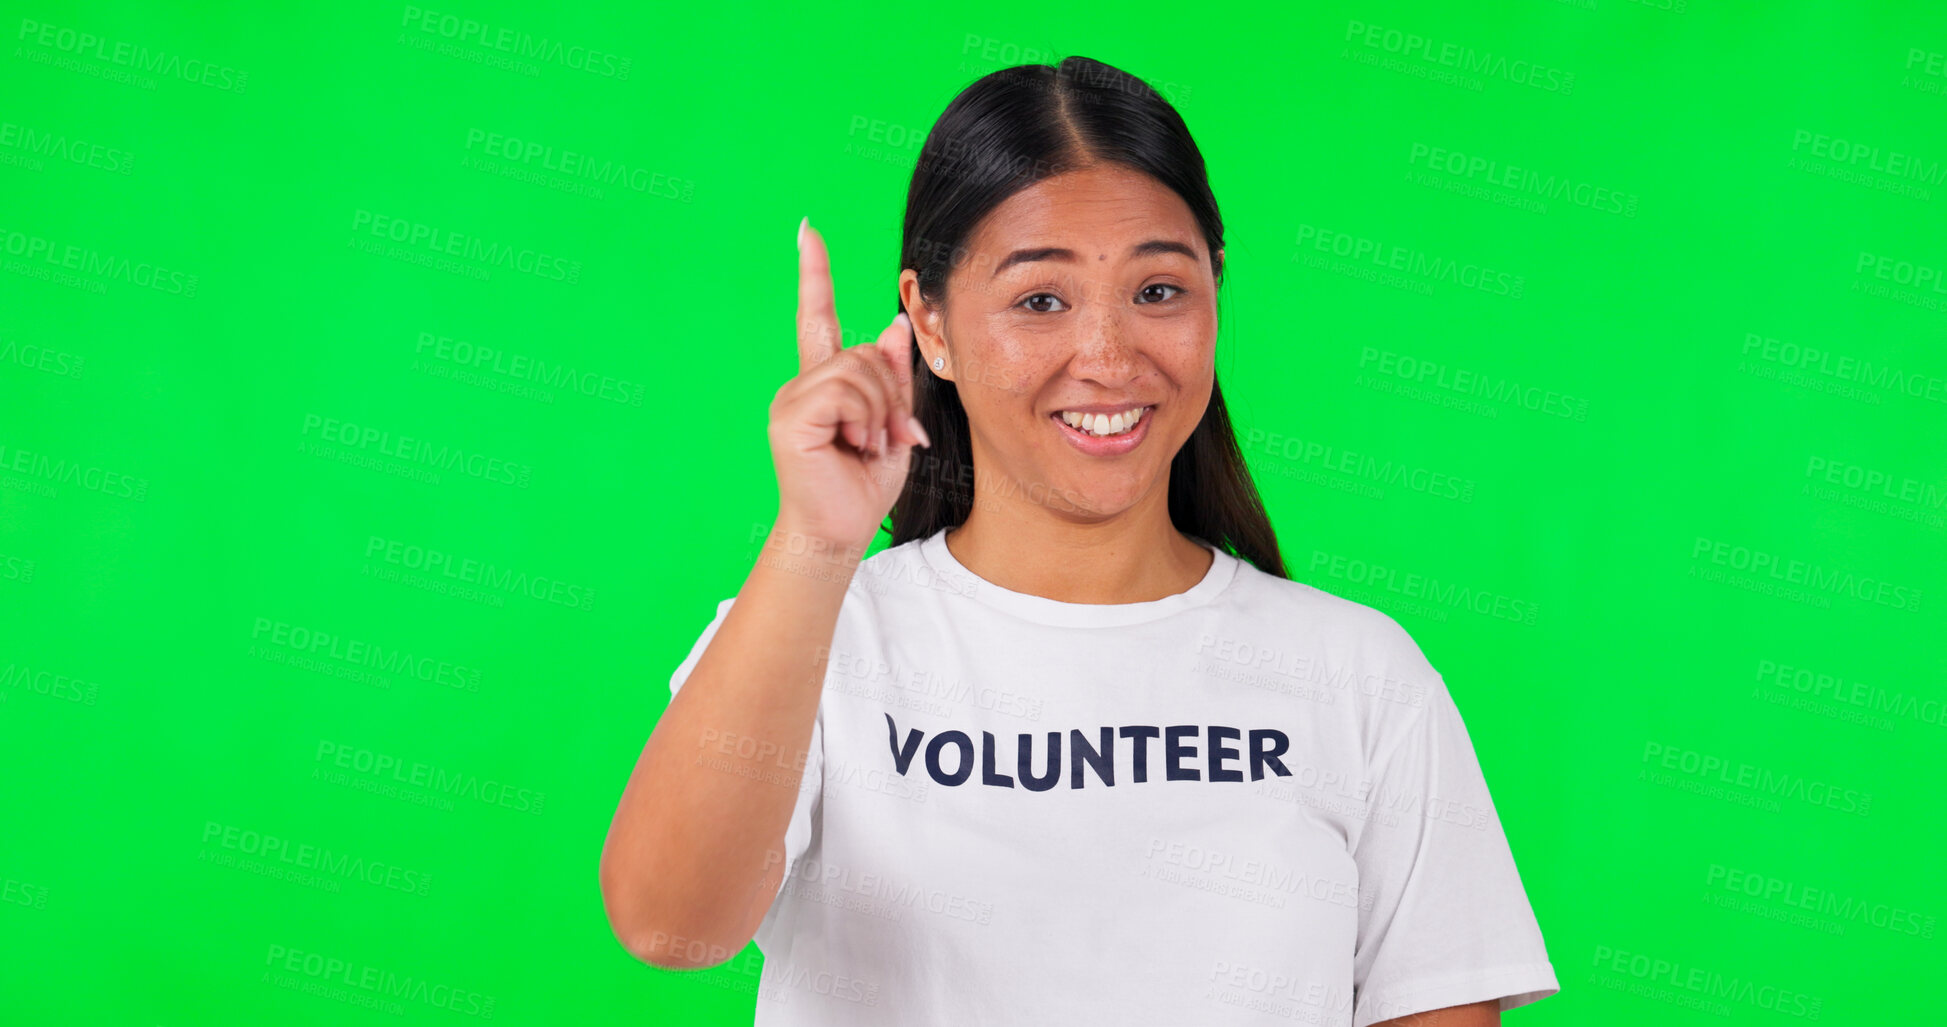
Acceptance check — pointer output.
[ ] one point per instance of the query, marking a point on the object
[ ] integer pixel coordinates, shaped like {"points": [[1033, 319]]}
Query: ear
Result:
{"points": [[928, 323]]}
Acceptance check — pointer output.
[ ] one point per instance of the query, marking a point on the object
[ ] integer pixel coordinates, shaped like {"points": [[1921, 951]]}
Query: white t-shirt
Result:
{"points": [[1264, 808]]}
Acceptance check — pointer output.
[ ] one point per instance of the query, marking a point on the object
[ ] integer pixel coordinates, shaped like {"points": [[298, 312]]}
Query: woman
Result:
{"points": [[1072, 749]]}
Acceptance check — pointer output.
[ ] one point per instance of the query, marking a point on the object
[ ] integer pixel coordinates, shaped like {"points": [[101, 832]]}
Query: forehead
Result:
{"points": [[1107, 201]]}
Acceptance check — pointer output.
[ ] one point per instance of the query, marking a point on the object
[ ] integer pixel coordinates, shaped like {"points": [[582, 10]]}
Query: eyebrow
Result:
{"points": [[1141, 249]]}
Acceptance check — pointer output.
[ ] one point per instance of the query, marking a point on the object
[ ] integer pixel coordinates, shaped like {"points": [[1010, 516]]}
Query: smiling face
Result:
{"points": [[1088, 293]]}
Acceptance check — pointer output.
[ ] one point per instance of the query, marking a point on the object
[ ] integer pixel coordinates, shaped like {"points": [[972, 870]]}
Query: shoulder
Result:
{"points": [[904, 554], [1362, 647], [1368, 632], [888, 569]]}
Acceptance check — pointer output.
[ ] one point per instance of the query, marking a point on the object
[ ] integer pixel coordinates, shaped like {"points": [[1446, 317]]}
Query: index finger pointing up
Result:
{"points": [[818, 338], [899, 356]]}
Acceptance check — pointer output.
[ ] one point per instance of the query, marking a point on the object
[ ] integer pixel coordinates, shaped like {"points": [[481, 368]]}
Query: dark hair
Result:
{"points": [[1002, 134]]}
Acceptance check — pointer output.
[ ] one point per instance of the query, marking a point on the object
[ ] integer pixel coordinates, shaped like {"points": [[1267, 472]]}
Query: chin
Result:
{"points": [[1101, 499]]}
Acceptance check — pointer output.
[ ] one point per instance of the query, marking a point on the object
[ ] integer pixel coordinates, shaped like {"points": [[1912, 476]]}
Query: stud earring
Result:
{"points": [[939, 362]]}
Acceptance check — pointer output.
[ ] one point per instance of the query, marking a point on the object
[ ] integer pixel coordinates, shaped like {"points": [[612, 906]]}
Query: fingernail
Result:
{"points": [[881, 446], [913, 423], [801, 227], [902, 320]]}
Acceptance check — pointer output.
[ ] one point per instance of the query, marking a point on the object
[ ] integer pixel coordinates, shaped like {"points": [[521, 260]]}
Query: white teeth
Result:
{"points": [[1104, 424]]}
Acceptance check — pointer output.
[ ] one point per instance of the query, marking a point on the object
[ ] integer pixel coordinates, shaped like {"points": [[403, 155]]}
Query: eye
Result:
{"points": [[1040, 296], [1159, 285]]}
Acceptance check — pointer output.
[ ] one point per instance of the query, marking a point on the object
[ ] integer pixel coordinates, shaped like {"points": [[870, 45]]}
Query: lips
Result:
{"points": [[1104, 445], [1095, 421]]}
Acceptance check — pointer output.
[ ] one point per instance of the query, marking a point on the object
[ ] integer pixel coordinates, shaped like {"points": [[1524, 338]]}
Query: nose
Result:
{"points": [[1104, 351]]}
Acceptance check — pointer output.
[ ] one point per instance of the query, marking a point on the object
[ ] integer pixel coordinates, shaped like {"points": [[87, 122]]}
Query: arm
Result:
{"points": [[1473, 1014], [1450, 925], [695, 855]]}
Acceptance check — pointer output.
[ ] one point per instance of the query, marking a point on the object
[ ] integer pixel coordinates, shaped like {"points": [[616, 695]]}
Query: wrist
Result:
{"points": [[801, 540]]}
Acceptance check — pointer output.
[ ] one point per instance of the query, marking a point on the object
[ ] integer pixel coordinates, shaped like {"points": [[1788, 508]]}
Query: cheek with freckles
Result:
{"points": [[1008, 367]]}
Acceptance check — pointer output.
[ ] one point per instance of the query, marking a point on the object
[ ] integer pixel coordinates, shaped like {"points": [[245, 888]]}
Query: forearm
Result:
{"points": [[694, 856]]}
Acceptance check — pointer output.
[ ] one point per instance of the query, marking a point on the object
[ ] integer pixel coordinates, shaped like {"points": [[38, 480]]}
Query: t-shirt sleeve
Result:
{"points": [[797, 835], [1443, 917]]}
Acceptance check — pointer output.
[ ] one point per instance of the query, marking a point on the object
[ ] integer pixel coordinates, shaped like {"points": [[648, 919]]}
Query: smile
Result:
{"points": [[1103, 424], [1104, 434]]}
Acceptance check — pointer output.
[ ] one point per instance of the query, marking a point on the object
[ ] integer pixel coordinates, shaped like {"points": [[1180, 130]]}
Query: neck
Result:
{"points": [[1136, 556]]}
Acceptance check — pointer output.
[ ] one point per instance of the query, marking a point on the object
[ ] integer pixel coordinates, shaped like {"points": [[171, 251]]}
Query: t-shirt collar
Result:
{"points": [[1042, 610]]}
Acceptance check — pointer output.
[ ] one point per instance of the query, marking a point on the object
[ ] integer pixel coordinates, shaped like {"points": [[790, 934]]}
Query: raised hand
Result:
{"points": [[842, 431]]}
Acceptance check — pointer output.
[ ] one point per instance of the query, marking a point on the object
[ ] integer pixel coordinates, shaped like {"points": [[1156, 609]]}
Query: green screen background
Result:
{"points": [[1655, 476]]}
